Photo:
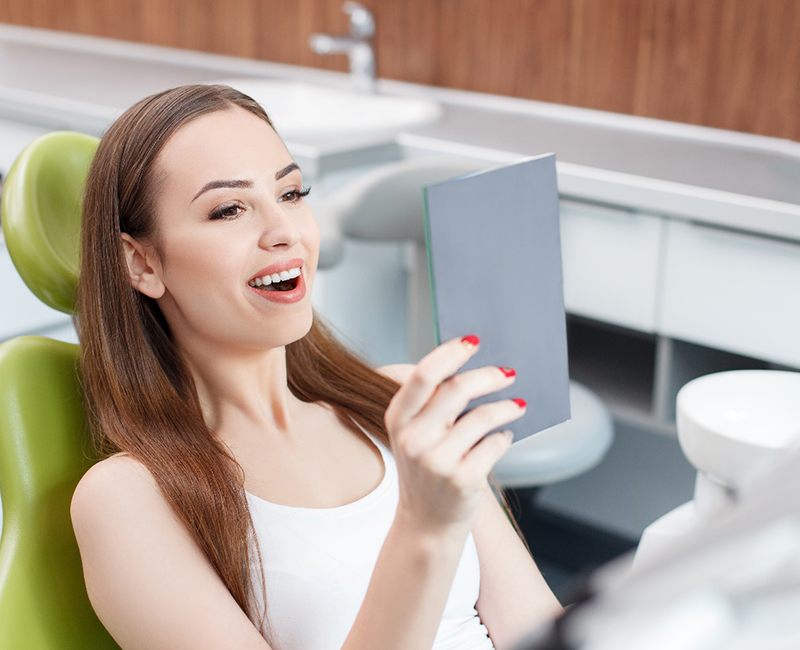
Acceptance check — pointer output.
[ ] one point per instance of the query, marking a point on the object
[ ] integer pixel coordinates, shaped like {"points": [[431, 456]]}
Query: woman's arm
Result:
{"points": [[411, 581], [147, 580], [408, 590], [514, 596]]}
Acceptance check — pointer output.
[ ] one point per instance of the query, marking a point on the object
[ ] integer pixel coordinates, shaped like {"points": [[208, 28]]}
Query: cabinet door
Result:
{"points": [[733, 291], [611, 262]]}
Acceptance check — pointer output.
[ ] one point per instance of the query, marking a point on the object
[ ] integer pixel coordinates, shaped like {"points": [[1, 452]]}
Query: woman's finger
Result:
{"points": [[454, 394], [476, 465], [474, 426], [430, 371]]}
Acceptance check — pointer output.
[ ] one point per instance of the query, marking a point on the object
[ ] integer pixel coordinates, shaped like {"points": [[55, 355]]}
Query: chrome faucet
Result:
{"points": [[357, 46]]}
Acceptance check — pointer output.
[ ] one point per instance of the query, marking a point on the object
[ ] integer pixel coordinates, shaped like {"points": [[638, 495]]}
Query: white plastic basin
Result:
{"points": [[729, 422], [298, 109]]}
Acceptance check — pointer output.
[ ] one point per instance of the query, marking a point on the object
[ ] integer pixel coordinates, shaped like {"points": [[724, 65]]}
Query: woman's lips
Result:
{"points": [[294, 295]]}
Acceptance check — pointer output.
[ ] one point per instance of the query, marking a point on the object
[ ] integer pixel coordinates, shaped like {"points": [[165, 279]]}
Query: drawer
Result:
{"points": [[611, 262], [732, 291], [20, 311]]}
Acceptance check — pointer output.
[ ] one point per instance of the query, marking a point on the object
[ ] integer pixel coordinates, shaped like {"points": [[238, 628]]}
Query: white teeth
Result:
{"points": [[275, 277]]}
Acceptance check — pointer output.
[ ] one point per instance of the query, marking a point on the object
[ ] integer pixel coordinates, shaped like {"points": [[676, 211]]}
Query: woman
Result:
{"points": [[238, 437]]}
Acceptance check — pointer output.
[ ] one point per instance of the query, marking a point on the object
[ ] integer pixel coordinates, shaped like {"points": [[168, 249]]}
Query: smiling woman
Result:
{"points": [[237, 433]]}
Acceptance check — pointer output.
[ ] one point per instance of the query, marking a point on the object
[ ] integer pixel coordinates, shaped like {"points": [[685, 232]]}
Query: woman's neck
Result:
{"points": [[246, 392]]}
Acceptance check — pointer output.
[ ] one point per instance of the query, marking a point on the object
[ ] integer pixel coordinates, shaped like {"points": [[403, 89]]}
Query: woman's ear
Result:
{"points": [[143, 267]]}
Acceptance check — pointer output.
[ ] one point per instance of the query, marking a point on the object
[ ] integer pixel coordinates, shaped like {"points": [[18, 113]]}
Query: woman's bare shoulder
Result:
{"points": [[145, 576], [119, 488], [119, 473]]}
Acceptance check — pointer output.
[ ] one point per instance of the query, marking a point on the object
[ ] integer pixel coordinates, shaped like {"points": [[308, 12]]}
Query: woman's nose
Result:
{"points": [[278, 228]]}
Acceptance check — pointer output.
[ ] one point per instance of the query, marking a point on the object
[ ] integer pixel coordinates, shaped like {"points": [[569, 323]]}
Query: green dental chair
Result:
{"points": [[44, 442]]}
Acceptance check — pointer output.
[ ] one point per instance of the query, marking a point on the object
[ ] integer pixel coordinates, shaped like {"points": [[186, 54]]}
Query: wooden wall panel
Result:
{"points": [[406, 40], [726, 63], [603, 54], [498, 56]]}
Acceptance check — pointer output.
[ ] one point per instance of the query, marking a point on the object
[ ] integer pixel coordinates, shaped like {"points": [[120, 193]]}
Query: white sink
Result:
{"points": [[301, 110], [728, 422]]}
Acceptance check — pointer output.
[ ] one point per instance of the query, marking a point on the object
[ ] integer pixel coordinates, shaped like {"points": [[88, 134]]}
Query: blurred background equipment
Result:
{"points": [[731, 584], [730, 424]]}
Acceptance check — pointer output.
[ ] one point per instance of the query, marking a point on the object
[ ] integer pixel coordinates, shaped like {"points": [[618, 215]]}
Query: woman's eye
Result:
{"points": [[229, 211], [294, 196], [233, 210]]}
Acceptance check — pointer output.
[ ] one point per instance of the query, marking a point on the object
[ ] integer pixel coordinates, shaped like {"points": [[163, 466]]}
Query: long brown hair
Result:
{"points": [[140, 396]]}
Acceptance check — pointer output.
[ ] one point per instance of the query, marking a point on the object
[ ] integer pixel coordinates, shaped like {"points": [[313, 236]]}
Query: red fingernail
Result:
{"points": [[520, 402], [508, 372], [471, 341]]}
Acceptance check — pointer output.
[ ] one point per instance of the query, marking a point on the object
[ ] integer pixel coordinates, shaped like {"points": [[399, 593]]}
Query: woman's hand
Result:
{"points": [[442, 471]]}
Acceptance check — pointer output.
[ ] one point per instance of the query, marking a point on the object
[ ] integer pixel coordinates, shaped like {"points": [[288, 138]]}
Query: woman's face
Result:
{"points": [[228, 207]]}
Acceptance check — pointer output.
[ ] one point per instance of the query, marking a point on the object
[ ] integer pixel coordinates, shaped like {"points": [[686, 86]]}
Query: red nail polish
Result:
{"points": [[471, 341], [520, 402], [508, 372]]}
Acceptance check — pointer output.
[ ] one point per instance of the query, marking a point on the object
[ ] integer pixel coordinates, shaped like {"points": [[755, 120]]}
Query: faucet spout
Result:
{"points": [[356, 46], [327, 44]]}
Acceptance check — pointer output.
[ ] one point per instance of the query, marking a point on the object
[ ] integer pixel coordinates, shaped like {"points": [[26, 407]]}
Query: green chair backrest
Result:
{"points": [[44, 442]]}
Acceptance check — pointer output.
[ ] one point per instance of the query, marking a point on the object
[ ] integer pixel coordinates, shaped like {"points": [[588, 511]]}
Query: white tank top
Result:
{"points": [[318, 563]]}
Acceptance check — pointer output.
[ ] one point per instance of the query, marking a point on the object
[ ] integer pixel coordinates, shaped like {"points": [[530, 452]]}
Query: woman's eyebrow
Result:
{"points": [[282, 172], [212, 185]]}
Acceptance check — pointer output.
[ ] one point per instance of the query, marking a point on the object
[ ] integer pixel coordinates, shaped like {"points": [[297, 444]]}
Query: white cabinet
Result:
{"points": [[611, 264], [732, 291]]}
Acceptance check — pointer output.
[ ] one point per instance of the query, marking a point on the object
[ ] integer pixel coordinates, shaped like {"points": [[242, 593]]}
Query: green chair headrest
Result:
{"points": [[41, 214]]}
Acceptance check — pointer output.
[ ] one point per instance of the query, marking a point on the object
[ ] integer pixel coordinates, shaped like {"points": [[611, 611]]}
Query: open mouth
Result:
{"points": [[276, 282], [283, 285]]}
